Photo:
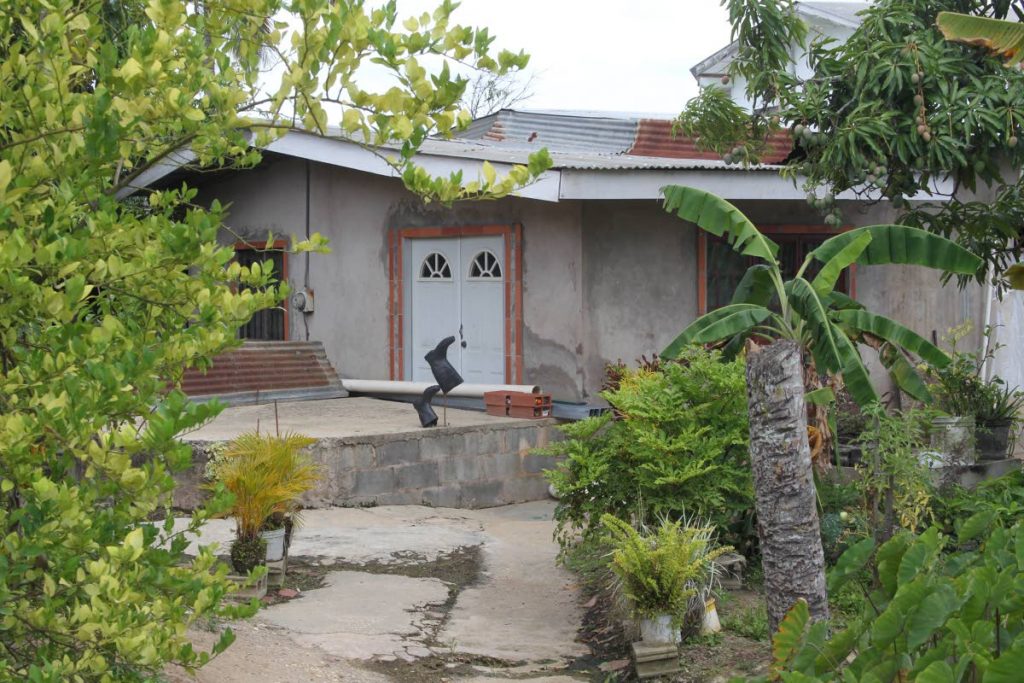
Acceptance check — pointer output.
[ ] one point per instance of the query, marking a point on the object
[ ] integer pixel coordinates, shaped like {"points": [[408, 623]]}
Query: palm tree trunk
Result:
{"points": [[787, 516]]}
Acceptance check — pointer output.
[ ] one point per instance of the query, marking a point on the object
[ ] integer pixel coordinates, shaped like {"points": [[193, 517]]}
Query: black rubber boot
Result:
{"points": [[428, 418], [445, 375]]}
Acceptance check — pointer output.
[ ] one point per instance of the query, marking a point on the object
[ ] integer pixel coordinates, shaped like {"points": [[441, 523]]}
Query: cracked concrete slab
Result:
{"points": [[385, 534], [526, 607], [522, 610], [357, 615]]}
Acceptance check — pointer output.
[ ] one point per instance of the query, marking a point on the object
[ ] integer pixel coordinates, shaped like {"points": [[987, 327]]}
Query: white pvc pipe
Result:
{"points": [[381, 386]]}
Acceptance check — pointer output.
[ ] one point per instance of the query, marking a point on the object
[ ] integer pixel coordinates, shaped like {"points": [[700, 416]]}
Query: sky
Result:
{"points": [[630, 56]]}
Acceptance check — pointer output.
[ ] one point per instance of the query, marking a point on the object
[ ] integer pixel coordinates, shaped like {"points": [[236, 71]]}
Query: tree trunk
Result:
{"points": [[787, 516]]}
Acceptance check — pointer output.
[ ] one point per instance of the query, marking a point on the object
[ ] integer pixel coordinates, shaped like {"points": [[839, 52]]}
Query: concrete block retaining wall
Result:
{"points": [[459, 467]]}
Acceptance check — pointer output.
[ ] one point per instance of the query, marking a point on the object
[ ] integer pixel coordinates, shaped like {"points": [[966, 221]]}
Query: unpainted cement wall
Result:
{"points": [[603, 280], [456, 467]]}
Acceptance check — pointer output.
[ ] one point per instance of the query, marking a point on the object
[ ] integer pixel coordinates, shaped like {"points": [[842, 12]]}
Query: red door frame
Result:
{"points": [[513, 235]]}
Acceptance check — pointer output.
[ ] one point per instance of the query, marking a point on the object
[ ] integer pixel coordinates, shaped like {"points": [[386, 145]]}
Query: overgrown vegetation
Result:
{"points": [[674, 444], [938, 609]]}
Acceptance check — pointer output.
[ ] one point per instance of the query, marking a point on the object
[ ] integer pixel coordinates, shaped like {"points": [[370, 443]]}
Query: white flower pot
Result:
{"points": [[275, 544], [710, 623], [659, 630], [952, 442]]}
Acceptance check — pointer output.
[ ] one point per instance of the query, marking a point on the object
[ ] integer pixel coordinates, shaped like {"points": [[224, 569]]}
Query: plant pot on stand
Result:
{"points": [[952, 441], [993, 439], [277, 555]]}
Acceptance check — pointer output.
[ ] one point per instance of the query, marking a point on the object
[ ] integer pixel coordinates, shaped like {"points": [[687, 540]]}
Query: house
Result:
{"points": [[582, 269]]}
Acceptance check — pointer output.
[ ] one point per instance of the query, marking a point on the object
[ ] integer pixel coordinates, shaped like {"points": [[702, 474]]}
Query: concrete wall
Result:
{"points": [[458, 467], [603, 280]]}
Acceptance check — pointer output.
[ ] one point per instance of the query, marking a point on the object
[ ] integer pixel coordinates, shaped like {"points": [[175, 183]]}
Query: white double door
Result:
{"points": [[458, 289]]}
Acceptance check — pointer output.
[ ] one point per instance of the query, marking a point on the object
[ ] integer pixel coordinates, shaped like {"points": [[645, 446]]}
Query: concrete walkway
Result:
{"points": [[409, 594]]}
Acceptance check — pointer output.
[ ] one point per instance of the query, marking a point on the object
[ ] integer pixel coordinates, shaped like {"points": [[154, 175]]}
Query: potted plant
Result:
{"points": [[960, 393], [666, 573], [267, 476], [997, 419]]}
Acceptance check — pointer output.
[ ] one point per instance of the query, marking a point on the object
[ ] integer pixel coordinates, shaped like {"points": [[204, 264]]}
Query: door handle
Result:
{"points": [[462, 339]]}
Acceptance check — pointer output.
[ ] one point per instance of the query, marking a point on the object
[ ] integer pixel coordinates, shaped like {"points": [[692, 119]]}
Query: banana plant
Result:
{"points": [[809, 310]]}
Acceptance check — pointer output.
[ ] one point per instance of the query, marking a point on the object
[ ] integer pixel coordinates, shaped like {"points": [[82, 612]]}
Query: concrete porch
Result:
{"points": [[375, 453]]}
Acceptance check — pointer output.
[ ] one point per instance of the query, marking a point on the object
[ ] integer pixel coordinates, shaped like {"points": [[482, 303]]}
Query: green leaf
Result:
{"points": [[1008, 667], [805, 301], [903, 245], [788, 640], [710, 212], [1005, 38], [904, 374], [975, 525], [822, 396], [850, 563], [756, 286], [855, 375], [931, 615], [936, 672], [888, 559], [829, 274], [919, 556], [892, 332], [719, 324]]}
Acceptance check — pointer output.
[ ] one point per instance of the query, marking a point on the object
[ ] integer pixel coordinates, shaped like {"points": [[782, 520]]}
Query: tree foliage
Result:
{"points": [[892, 113], [103, 303]]}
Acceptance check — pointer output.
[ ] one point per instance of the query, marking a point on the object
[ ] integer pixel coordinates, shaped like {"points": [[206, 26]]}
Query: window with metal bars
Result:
{"points": [[725, 268], [270, 324]]}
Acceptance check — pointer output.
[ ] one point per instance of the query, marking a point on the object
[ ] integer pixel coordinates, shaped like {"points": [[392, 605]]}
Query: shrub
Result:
{"points": [[938, 611], [665, 570], [675, 443]]}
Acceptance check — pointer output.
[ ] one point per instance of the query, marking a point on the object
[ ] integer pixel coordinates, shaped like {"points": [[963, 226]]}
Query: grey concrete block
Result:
{"points": [[373, 482], [398, 452], [524, 489], [443, 496], [486, 442], [418, 476], [500, 466], [442, 446], [460, 468], [357, 457], [536, 464], [400, 498], [524, 440], [482, 494]]}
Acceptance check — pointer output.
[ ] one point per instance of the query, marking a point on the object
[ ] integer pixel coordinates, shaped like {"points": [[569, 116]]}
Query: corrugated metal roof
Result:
{"points": [[534, 130], [582, 160], [655, 139]]}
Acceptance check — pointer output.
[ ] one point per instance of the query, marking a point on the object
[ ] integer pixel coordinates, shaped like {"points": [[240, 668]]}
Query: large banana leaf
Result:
{"points": [[904, 374], [840, 301], [829, 274], [712, 213], [855, 375], [755, 287], [892, 332], [1005, 38], [808, 305], [722, 323], [903, 244]]}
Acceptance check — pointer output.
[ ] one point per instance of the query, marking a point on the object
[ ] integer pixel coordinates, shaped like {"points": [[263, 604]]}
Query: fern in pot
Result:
{"points": [[267, 476], [665, 573]]}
